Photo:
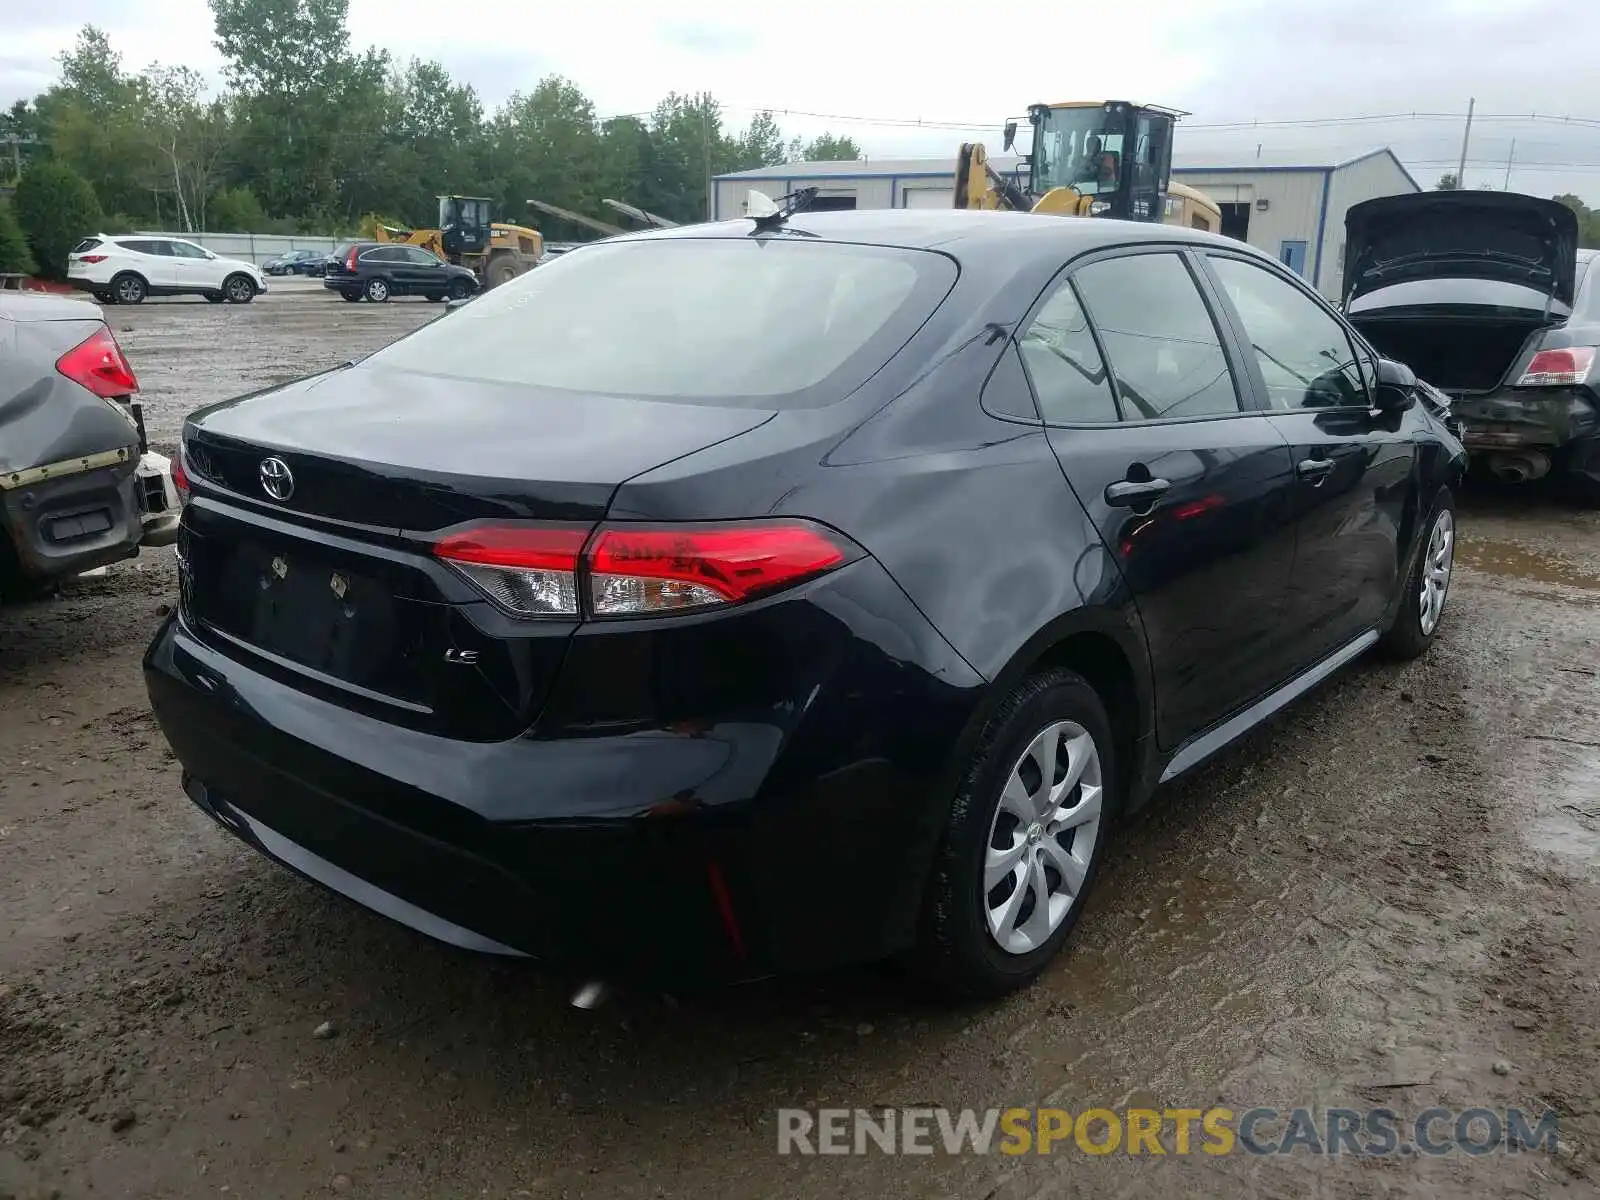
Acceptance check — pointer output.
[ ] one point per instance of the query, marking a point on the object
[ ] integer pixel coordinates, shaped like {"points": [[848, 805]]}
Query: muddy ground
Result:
{"points": [[1389, 897]]}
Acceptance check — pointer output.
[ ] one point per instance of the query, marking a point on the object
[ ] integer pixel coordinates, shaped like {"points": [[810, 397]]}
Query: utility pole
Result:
{"points": [[17, 142], [1510, 158], [1466, 136], [705, 130]]}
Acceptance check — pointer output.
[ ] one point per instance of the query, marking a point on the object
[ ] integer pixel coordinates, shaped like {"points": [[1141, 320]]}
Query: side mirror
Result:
{"points": [[1011, 135], [1397, 386]]}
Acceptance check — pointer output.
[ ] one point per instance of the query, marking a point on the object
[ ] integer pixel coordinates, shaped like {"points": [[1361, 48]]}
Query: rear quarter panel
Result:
{"points": [[44, 417]]}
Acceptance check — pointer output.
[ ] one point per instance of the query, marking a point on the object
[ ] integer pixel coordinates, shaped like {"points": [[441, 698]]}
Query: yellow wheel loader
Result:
{"points": [[494, 251], [1097, 158]]}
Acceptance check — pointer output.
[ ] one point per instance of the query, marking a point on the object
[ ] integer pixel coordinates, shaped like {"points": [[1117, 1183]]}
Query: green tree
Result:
{"points": [[96, 117], [15, 257], [760, 145], [55, 206], [1448, 183], [825, 147], [236, 210], [1588, 219]]}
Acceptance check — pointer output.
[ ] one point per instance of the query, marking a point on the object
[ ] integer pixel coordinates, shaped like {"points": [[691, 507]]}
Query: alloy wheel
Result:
{"points": [[240, 289], [1042, 837], [1436, 565]]}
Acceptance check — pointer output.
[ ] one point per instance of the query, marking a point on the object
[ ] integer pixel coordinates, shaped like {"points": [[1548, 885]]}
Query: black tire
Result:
{"points": [[502, 269], [129, 288], [351, 294], [459, 289], [377, 290], [214, 297], [955, 948], [239, 289], [435, 297], [1411, 634], [105, 297]]}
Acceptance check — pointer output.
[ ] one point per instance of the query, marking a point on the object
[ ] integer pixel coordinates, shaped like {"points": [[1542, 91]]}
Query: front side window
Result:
{"points": [[422, 258], [1079, 148], [1165, 353], [772, 322], [186, 250], [1069, 376], [1306, 358]]}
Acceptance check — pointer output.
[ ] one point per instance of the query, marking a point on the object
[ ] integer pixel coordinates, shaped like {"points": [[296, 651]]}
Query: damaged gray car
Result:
{"points": [[79, 487], [1487, 296]]}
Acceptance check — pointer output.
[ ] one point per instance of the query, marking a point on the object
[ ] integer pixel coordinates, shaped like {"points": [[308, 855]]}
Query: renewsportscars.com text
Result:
{"points": [[1368, 1133]]}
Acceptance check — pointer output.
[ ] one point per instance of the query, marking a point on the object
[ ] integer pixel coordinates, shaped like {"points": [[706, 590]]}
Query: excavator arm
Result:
{"points": [[978, 185]]}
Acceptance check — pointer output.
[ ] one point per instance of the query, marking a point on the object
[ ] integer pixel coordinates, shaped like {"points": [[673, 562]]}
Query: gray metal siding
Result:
{"points": [[1364, 179], [1294, 203]]}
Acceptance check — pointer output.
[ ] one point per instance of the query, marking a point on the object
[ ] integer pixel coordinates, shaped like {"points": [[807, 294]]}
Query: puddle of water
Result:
{"points": [[1518, 562], [1570, 826]]}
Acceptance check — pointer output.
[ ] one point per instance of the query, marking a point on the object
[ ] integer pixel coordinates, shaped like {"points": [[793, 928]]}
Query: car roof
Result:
{"points": [[961, 232]]}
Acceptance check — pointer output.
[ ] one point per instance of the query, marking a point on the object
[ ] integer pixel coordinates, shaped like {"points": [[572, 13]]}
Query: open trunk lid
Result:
{"points": [[307, 547], [1498, 236]]}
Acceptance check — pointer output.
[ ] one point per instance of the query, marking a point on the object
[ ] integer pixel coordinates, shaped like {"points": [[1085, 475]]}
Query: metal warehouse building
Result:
{"points": [[1292, 210]]}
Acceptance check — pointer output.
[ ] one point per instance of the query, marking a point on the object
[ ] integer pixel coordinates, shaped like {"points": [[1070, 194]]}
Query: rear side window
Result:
{"points": [[772, 322], [1305, 356], [1166, 356], [1069, 376], [138, 245]]}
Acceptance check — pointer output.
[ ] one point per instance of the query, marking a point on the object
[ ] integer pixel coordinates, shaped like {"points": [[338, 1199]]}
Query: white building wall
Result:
{"points": [[1364, 179], [870, 191], [1293, 204]]}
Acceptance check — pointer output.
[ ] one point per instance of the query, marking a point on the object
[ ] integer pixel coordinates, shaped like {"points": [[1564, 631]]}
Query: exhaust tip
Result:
{"points": [[591, 995]]}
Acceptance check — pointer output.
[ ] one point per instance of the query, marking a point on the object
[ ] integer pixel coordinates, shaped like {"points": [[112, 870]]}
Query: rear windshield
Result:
{"points": [[86, 245], [769, 322]]}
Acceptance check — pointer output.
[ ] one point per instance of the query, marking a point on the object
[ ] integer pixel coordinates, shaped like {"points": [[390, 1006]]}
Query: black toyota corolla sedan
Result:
{"points": [[762, 597]]}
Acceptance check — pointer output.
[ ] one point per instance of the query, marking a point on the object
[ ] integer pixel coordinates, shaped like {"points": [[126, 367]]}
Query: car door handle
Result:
{"points": [[1130, 493], [1314, 468]]}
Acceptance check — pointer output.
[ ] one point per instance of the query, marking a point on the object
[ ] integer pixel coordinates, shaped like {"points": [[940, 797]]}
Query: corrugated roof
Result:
{"points": [[867, 167], [1186, 163]]}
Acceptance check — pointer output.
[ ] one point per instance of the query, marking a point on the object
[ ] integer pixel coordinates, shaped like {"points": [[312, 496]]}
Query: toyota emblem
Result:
{"points": [[276, 478]]}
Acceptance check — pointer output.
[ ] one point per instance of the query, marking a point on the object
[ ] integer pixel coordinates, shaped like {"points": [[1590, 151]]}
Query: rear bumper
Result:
{"points": [[791, 838], [1527, 418], [65, 524]]}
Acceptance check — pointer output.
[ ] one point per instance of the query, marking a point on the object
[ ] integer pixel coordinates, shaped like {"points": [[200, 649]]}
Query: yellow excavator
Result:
{"points": [[495, 251], [1092, 158]]}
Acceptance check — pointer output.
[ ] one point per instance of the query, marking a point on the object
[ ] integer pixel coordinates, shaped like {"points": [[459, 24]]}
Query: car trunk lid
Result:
{"points": [[327, 578], [1498, 236]]}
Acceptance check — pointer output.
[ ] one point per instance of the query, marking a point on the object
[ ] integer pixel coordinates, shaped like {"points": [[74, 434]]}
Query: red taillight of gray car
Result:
{"points": [[640, 570], [98, 364], [1558, 368]]}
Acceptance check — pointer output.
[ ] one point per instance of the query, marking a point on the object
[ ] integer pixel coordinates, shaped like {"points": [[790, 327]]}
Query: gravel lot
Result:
{"points": [[1389, 897]]}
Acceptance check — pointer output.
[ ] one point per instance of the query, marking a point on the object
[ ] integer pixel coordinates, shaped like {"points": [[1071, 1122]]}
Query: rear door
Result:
{"points": [[1353, 498], [1156, 430], [153, 259]]}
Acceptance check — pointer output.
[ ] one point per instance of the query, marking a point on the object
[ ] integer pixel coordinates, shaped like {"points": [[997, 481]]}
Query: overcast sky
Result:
{"points": [[1223, 60]]}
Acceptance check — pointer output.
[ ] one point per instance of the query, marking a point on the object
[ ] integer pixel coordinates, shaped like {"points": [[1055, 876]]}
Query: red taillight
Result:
{"points": [[661, 568], [643, 570], [1558, 368], [350, 262], [180, 477], [98, 364], [532, 570], [92, 258]]}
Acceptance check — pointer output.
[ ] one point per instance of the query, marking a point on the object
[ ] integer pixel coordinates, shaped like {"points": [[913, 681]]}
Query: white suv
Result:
{"points": [[124, 270]]}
